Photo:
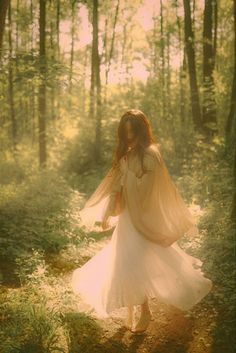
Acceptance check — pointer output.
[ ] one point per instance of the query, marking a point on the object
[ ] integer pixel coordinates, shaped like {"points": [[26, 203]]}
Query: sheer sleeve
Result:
{"points": [[156, 207], [102, 200]]}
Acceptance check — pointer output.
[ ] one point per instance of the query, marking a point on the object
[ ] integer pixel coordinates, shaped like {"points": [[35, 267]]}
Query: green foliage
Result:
{"points": [[205, 176], [211, 179], [40, 316], [30, 326], [30, 266], [36, 214], [77, 155], [39, 201], [10, 171], [220, 249]]}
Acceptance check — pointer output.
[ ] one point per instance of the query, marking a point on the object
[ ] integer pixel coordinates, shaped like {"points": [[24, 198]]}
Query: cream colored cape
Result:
{"points": [[156, 207]]}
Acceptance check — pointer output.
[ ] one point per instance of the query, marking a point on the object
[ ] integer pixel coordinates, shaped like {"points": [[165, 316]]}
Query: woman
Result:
{"points": [[142, 260]]}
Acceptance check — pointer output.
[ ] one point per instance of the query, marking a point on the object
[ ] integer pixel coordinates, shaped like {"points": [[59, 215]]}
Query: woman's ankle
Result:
{"points": [[145, 311], [145, 307]]}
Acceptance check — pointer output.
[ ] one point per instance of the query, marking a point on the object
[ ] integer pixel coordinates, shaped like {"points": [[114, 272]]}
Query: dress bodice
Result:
{"points": [[130, 162]]}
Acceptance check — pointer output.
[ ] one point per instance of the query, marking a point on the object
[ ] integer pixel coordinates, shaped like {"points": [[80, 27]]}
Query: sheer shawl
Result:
{"points": [[155, 205]]}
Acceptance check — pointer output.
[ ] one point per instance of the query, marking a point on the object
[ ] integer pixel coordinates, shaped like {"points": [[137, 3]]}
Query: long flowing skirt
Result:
{"points": [[130, 268]]}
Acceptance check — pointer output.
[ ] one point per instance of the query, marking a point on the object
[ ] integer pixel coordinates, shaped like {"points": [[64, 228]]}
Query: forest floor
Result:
{"points": [[42, 243], [170, 331]]}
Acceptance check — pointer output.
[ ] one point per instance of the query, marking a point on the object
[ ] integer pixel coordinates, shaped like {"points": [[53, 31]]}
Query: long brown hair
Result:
{"points": [[142, 130]]}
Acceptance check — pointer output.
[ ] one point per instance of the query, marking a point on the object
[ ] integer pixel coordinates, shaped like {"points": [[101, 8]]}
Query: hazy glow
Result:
{"points": [[144, 20], [145, 13], [85, 28], [65, 35], [139, 70], [69, 131]]}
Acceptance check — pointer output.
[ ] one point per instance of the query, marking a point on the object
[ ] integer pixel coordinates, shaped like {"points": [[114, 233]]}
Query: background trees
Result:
{"points": [[88, 61]]}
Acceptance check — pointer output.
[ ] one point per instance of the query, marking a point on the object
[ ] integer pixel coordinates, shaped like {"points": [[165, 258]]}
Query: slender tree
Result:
{"points": [[112, 41], [52, 58], [108, 56], [168, 80], [4, 4], [189, 44], [182, 70], [124, 41], [93, 59], [32, 94], [58, 16], [73, 16], [232, 112], [95, 89], [42, 86], [10, 84], [215, 16], [233, 213], [155, 47], [209, 104], [163, 64], [84, 74]]}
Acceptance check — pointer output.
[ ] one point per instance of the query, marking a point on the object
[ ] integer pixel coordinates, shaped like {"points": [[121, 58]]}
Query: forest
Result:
{"points": [[68, 70]]}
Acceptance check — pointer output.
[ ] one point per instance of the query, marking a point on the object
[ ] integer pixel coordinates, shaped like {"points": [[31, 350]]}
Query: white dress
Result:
{"points": [[130, 267]]}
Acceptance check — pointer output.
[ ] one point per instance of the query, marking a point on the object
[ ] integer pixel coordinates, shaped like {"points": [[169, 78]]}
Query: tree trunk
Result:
{"points": [[52, 58], [84, 75], [92, 80], [155, 47], [58, 93], [168, 83], [105, 55], [42, 86], [72, 46], [32, 94], [112, 41], [163, 88], [58, 27], [193, 15], [215, 15], [182, 73], [189, 43], [10, 86], [4, 4], [21, 117], [17, 33], [124, 41], [233, 213], [95, 90], [231, 120], [209, 104]]}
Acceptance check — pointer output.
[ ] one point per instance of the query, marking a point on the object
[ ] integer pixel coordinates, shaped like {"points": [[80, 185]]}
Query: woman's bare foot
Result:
{"points": [[143, 321], [129, 318]]}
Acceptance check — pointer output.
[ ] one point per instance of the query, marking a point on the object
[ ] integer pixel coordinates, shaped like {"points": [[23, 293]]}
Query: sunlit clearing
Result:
{"points": [[70, 131]]}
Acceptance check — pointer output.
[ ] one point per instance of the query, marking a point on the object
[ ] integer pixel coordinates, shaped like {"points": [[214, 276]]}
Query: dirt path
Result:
{"points": [[170, 331]]}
